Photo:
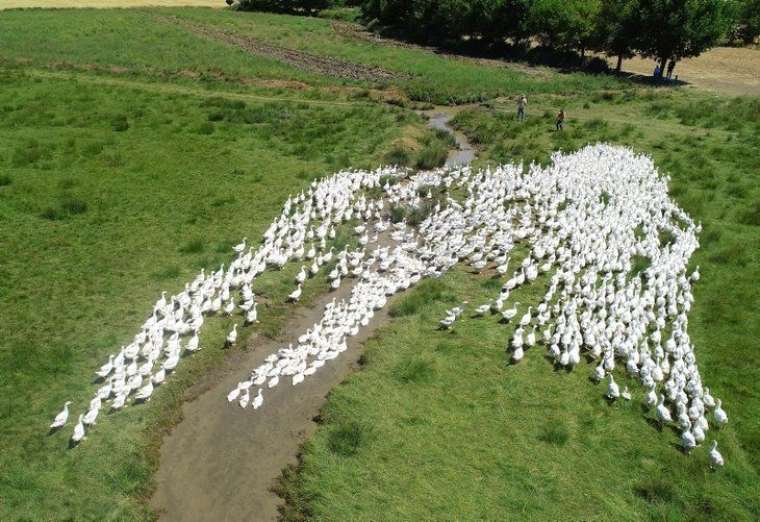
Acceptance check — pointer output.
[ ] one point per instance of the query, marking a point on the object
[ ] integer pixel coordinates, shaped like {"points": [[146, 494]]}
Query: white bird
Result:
{"points": [[159, 377], [91, 416], [245, 398], [106, 369], [78, 430], [295, 295], [720, 415], [240, 246], [613, 390], [687, 440], [144, 393], [251, 315], [193, 343], [509, 313], [518, 354], [62, 417], [525, 321], [232, 336], [258, 400], [716, 459], [663, 413]]}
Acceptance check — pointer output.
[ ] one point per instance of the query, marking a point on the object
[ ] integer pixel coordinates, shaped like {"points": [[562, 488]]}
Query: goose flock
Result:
{"points": [[598, 227]]}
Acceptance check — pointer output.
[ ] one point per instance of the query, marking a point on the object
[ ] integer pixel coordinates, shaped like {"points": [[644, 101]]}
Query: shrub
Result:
{"points": [[5, 180]]}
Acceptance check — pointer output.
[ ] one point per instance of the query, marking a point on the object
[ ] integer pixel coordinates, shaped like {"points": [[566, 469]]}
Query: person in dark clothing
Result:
{"points": [[671, 66], [561, 120]]}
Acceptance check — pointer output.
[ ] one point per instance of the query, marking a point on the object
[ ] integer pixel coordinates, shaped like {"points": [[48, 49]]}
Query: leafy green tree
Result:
{"points": [[565, 24], [286, 6], [749, 20], [676, 29], [617, 29]]}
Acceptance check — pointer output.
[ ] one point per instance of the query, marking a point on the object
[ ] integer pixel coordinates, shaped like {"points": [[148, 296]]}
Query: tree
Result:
{"points": [[676, 29], [749, 20], [565, 24], [286, 6], [617, 29]]}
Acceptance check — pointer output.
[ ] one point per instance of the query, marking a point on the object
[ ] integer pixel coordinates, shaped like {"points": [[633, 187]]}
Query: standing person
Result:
{"points": [[561, 120], [656, 73], [671, 66], [522, 104]]}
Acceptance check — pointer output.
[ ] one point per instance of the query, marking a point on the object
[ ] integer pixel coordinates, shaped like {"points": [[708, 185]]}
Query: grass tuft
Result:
{"points": [[558, 435], [346, 439]]}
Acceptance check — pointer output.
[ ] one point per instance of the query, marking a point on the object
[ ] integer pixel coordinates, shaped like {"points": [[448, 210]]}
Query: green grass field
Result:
{"points": [[134, 152], [442, 416]]}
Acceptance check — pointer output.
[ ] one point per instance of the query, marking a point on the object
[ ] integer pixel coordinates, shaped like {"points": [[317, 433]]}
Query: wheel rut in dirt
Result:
{"points": [[301, 60]]}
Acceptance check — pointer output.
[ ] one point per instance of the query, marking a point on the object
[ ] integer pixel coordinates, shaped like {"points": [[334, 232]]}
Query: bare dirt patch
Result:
{"points": [[301, 60], [725, 70]]}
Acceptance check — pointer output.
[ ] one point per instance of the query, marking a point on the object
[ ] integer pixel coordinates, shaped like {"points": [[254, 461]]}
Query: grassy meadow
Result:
{"points": [[444, 417], [134, 152]]}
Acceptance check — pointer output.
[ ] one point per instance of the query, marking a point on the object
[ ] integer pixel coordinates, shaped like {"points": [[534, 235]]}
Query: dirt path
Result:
{"points": [[220, 462]]}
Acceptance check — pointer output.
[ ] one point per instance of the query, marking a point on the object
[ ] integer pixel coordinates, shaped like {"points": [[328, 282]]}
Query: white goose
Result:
{"points": [[62, 417], [78, 434]]}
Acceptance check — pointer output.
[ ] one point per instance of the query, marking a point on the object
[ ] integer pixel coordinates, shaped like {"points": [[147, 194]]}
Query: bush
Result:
{"points": [[285, 6], [5, 180]]}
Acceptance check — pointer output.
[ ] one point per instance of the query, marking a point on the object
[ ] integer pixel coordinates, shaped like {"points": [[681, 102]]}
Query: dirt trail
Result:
{"points": [[220, 462]]}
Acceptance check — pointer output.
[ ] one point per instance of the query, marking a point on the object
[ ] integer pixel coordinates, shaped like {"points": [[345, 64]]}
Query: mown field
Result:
{"points": [[133, 152]]}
